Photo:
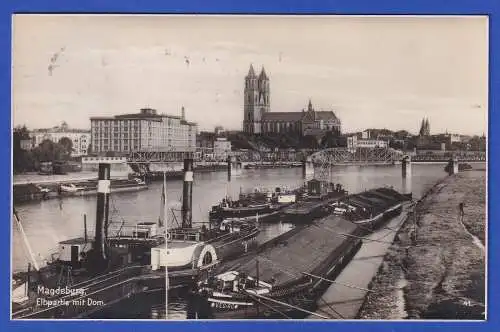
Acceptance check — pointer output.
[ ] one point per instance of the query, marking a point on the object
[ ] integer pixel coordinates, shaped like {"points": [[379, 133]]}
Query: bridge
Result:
{"points": [[359, 156], [158, 157], [322, 161], [331, 156]]}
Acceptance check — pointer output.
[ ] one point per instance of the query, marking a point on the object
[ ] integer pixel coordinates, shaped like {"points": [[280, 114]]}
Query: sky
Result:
{"points": [[373, 72]]}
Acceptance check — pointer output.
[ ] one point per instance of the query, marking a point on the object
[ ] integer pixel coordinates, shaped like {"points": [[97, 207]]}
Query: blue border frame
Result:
{"points": [[367, 7]]}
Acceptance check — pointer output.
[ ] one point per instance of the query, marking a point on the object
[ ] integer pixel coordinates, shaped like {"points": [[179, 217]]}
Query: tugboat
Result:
{"points": [[111, 268], [95, 265], [314, 203], [266, 204], [189, 250]]}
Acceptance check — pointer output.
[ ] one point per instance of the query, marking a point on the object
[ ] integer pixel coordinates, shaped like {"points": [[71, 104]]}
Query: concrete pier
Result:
{"points": [[406, 176], [452, 167], [406, 167], [234, 167], [307, 169]]}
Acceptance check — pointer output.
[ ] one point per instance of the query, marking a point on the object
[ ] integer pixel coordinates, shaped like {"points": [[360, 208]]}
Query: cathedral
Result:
{"points": [[256, 102], [259, 120]]}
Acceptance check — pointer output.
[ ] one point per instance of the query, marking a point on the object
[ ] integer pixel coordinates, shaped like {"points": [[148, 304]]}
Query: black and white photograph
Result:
{"points": [[237, 167]]}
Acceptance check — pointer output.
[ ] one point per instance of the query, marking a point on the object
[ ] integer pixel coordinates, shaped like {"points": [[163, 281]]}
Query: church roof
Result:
{"points": [[298, 116], [282, 116], [325, 115]]}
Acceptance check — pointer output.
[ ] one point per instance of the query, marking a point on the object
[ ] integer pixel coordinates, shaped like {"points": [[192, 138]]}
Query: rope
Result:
{"points": [[331, 308], [290, 305], [268, 306]]}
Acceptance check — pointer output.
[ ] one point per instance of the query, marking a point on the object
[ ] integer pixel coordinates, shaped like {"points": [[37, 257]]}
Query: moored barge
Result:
{"points": [[286, 278], [248, 205], [277, 282]]}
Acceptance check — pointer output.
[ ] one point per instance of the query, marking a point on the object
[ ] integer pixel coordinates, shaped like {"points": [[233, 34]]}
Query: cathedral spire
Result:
{"points": [[263, 75], [251, 71], [309, 106]]}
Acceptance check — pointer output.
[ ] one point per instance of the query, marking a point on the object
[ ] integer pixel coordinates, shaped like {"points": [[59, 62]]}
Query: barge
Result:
{"points": [[287, 278], [315, 202], [372, 208], [276, 283], [259, 202], [33, 192]]}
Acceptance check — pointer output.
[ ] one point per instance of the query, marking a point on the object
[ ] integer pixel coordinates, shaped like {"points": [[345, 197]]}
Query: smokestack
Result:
{"points": [[304, 168], [85, 227], [101, 220], [187, 194], [229, 165]]}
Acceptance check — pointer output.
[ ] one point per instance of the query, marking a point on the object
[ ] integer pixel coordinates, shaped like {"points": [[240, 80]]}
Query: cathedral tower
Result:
{"points": [[256, 100]]}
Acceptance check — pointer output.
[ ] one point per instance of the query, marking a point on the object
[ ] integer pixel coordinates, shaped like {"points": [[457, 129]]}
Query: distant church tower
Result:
{"points": [[425, 129], [256, 100]]}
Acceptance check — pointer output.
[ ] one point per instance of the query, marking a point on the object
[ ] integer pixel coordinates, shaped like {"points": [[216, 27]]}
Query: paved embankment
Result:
{"points": [[436, 267], [343, 298]]}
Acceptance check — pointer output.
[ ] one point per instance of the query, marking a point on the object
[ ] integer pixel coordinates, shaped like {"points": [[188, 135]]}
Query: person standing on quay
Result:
{"points": [[461, 211]]}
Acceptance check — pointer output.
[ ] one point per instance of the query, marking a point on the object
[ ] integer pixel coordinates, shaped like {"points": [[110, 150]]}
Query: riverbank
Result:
{"points": [[435, 269], [23, 193]]}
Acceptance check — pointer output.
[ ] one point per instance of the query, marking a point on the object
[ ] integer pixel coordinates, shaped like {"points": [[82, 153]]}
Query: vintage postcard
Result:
{"points": [[171, 167]]}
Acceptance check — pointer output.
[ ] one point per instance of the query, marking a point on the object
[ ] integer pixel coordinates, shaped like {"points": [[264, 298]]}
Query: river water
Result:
{"points": [[48, 222]]}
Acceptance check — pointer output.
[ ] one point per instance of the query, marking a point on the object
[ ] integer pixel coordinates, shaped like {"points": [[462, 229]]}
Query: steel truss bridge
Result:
{"points": [[359, 156], [324, 160], [158, 157]]}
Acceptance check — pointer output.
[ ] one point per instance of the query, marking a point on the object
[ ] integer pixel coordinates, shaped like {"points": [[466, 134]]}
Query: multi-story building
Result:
{"points": [[222, 148], [80, 138], [353, 142], [146, 131], [258, 119]]}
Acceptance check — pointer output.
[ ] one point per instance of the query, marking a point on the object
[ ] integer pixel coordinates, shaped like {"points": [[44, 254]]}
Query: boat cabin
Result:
{"points": [[146, 230], [317, 188], [186, 234], [73, 251], [233, 281]]}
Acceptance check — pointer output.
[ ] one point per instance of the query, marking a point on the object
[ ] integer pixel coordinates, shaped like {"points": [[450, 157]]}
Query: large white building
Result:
{"points": [[79, 137], [354, 142], [222, 148], [146, 131]]}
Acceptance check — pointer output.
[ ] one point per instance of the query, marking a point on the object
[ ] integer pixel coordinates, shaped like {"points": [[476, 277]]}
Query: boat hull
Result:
{"points": [[304, 297], [378, 221]]}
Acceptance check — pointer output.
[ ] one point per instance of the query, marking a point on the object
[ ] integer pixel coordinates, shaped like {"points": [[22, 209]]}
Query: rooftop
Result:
{"points": [[144, 114]]}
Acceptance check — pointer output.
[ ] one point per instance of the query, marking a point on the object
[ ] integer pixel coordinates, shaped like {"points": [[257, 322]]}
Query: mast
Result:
{"points": [[165, 223], [25, 239], [229, 172], [162, 220], [187, 194]]}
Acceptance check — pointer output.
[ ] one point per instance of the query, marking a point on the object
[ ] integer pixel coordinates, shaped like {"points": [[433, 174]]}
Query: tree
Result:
{"points": [[20, 133], [22, 160], [67, 147], [49, 151]]}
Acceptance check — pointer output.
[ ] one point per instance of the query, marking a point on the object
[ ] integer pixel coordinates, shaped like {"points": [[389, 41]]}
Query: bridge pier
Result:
{"points": [[233, 167], [406, 167], [406, 175], [452, 167], [307, 169]]}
